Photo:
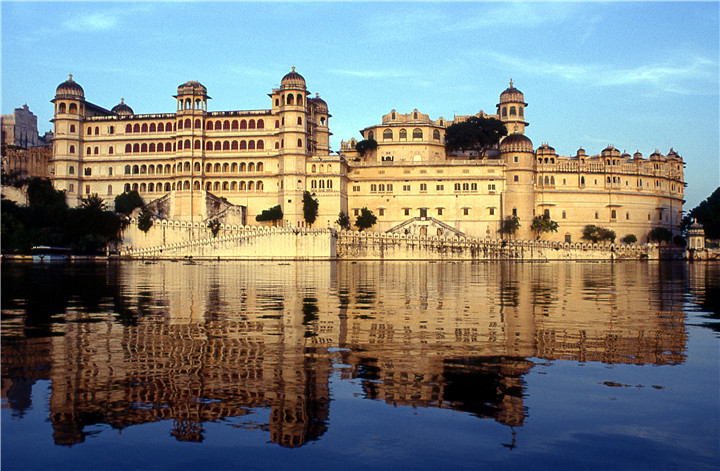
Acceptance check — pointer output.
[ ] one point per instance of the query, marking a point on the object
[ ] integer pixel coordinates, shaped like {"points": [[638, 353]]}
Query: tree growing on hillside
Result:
{"points": [[365, 220], [542, 224], [310, 208], [343, 221], [510, 225], [273, 214], [707, 213], [125, 203], [475, 134]]}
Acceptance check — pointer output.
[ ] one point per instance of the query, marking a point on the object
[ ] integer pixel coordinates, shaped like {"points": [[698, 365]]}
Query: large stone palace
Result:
{"points": [[255, 159]]}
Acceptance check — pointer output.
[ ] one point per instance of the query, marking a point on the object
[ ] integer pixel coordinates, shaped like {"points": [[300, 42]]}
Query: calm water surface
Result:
{"points": [[232, 365]]}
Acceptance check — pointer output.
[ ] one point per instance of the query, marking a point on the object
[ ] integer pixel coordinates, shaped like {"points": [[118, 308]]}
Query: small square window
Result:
{"points": [[406, 211], [492, 211], [466, 211], [381, 211]]}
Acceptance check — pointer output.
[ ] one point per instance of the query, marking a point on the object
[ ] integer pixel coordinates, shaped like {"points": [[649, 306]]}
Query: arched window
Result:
{"points": [[144, 127], [72, 128], [208, 186], [403, 134], [242, 186], [143, 169], [233, 186], [436, 135], [322, 185], [208, 145], [225, 168], [143, 147], [547, 180], [169, 127], [208, 168], [152, 147], [197, 144], [329, 185], [151, 187], [151, 169], [260, 124], [89, 132], [504, 111], [251, 124], [513, 111], [417, 133], [259, 167], [152, 127], [234, 167], [520, 111], [186, 185], [226, 125], [217, 168], [198, 125], [234, 145], [127, 187], [415, 115], [72, 149], [136, 128], [88, 151], [109, 192], [251, 144], [71, 170], [135, 169], [243, 145], [61, 108], [168, 147], [251, 186], [371, 135], [73, 108], [552, 180], [136, 148], [234, 124], [111, 150], [613, 214], [242, 167], [290, 99], [299, 121], [216, 186], [226, 145], [299, 99], [388, 135], [277, 145], [260, 144], [188, 123], [187, 144], [196, 167], [251, 167], [259, 186], [186, 167], [167, 186], [127, 170], [180, 126], [218, 145], [299, 142], [97, 130], [277, 124], [209, 126], [243, 124]]}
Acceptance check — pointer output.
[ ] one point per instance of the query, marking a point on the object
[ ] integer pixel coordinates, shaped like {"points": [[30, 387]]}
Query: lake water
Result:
{"points": [[367, 365]]}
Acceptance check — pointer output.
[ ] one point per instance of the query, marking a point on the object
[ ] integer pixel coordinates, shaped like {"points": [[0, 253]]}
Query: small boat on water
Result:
{"points": [[44, 253]]}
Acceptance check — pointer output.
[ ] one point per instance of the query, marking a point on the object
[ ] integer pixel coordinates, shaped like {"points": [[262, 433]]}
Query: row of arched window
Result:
{"points": [[321, 184], [290, 99], [72, 109], [513, 111], [232, 145], [185, 185], [187, 123], [417, 133], [314, 168], [185, 167]]}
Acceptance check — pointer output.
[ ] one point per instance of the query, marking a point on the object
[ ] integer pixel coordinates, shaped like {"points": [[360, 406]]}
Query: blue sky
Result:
{"points": [[640, 76]]}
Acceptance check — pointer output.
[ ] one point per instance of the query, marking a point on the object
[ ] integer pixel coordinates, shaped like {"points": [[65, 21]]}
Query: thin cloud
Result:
{"points": [[370, 74], [97, 20], [682, 75]]}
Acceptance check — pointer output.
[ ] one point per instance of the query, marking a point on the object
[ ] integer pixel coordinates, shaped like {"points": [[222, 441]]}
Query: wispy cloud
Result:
{"points": [[103, 20], [683, 74], [370, 74]]}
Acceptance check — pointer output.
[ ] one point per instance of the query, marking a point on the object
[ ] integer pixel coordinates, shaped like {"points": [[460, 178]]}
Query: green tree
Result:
{"points": [[598, 234], [343, 221], [126, 203], [629, 239], [273, 214], [214, 227], [659, 234], [41, 192], [365, 220], [542, 224], [366, 145], [310, 208], [93, 204], [475, 134], [510, 225], [145, 220], [707, 213]]}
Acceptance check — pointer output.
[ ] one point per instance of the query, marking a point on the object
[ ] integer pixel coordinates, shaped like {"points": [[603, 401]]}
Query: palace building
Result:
{"points": [[257, 159]]}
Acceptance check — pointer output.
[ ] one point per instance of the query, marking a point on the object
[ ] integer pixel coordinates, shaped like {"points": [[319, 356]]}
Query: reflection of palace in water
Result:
{"points": [[218, 341]]}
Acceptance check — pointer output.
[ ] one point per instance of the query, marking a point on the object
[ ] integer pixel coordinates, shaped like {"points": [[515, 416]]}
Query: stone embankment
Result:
{"points": [[176, 240]]}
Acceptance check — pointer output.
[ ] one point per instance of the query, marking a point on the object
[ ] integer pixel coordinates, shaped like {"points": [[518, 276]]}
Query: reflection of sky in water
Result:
{"points": [[574, 364]]}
